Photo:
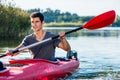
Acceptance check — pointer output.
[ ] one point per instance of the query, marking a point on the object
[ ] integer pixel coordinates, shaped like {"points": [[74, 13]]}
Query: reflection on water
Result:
{"points": [[98, 52]]}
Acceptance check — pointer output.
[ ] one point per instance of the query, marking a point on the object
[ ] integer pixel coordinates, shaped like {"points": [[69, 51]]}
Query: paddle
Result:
{"points": [[99, 21]]}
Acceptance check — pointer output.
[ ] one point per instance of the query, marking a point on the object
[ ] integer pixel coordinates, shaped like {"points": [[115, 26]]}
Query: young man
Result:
{"points": [[45, 50]]}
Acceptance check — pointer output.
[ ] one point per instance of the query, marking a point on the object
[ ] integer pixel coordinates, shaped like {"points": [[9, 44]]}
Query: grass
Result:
{"points": [[63, 24]]}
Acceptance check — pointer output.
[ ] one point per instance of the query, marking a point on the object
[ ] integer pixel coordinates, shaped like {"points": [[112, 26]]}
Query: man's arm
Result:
{"points": [[9, 52], [64, 43]]}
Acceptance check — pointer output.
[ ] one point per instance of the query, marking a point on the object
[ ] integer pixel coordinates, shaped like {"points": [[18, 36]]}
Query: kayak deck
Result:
{"points": [[37, 69]]}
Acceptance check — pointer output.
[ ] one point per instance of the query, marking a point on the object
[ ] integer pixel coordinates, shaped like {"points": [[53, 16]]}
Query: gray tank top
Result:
{"points": [[44, 50]]}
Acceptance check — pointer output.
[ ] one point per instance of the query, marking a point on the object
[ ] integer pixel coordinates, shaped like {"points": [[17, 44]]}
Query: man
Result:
{"points": [[45, 50]]}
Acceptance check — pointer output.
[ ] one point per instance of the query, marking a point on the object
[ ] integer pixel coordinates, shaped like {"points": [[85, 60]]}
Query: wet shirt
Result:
{"points": [[44, 50]]}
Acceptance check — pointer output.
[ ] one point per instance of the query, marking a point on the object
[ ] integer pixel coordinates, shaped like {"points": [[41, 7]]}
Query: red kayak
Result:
{"points": [[39, 69]]}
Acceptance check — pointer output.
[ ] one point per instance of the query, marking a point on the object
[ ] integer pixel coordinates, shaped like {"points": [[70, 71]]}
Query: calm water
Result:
{"points": [[98, 54]]}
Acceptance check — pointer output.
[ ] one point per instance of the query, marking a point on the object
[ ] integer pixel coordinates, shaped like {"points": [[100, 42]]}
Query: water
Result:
{"points": [[98, 55], [99, 58]]}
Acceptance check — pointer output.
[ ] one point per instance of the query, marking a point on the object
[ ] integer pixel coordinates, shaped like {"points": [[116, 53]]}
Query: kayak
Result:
{"points": [[39, 69]]}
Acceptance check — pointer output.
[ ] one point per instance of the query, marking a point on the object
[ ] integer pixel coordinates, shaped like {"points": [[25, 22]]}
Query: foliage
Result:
{"points": [[13, 21], [117, 22], [55, 16]]}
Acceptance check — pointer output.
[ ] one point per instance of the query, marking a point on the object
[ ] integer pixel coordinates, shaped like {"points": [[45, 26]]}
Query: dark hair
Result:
{"points": [[37, 14]]}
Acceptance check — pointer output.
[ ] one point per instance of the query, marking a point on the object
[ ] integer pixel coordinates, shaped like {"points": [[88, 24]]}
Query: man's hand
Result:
{"points": [[62, 35]]}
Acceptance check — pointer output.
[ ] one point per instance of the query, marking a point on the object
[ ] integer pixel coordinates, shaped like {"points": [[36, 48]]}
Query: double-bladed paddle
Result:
{"points": [[97, 22]]}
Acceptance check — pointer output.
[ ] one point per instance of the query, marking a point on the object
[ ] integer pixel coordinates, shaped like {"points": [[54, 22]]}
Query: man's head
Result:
{"points": [[37, 14], [37, 21]]}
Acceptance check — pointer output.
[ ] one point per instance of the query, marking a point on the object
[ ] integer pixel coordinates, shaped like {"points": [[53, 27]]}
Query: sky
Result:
{"points": [[81, 7]]}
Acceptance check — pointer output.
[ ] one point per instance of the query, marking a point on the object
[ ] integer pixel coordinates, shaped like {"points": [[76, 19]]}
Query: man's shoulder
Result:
{"points": [[29, 36]]}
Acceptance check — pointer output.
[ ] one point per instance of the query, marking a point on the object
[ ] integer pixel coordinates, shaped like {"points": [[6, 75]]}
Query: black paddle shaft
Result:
{"points": [[74, 30], [98, 22]]}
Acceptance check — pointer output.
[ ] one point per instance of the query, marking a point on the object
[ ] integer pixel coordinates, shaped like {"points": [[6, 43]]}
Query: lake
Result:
{"points": [[98, 52]]}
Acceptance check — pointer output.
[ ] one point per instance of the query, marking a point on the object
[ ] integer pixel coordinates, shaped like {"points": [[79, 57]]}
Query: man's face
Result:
{"points": [[36, 24]]}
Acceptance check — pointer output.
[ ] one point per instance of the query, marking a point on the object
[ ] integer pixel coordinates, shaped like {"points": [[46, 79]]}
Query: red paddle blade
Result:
{"points": [[101, 20]]}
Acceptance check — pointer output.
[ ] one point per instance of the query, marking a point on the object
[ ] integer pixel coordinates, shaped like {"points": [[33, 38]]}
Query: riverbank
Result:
{"points": [[63, 24]]}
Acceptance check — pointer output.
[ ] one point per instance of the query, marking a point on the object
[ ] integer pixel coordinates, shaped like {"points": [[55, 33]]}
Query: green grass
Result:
{"points": [[63, 24]]}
